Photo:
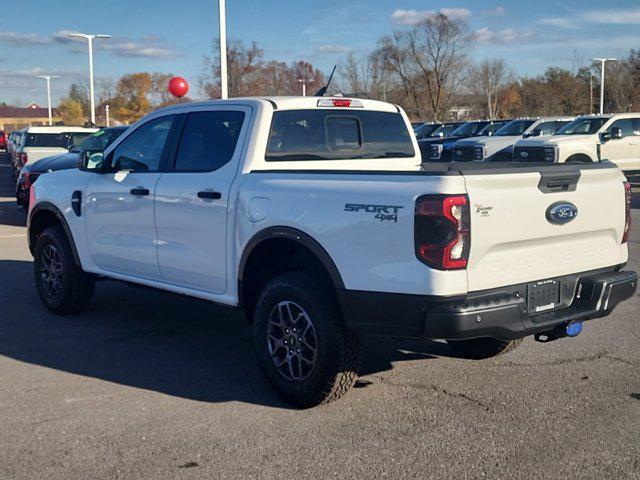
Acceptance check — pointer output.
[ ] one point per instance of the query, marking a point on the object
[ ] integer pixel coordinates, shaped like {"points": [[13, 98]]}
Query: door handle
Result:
{"points": [[139, 191], [210, 195]]}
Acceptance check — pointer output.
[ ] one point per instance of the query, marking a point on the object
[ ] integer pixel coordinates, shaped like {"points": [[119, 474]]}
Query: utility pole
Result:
{"points": [[106, 114], [224, 89], [89, 39], [602, 61], [591, 94], [48, 79]]}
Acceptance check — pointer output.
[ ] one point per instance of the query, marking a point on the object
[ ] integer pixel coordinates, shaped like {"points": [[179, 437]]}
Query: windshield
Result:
{"points": [[425, 130], [468, 129], [337, 135], [583, 126], [514, 128], [99, 141], [55, 140], [492, 128], [445, 129]]}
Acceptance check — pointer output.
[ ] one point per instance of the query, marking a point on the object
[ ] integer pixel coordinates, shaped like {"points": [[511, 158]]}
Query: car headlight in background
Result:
{"points": [[478, 154], [550, 154], [436, 151]]}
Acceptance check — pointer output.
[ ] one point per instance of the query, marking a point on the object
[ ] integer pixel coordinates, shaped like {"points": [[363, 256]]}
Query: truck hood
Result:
{"points": [[55, 162], [492, 144], [555, 140]]}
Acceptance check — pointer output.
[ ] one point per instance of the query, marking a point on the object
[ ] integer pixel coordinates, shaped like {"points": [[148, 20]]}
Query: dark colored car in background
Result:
{"points": [[424, 130], [441, 150], [97, 141]]}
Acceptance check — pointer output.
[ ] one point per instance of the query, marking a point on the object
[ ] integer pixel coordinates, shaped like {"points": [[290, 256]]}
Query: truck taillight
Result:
{"points": [[24, 158], [627, 212], [442, 236]]}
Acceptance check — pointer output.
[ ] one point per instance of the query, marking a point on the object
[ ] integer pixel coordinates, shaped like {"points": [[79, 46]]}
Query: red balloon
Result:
{"points": [[178, 87]]}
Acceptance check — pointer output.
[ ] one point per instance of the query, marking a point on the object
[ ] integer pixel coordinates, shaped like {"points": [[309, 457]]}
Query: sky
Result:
{"points": [[172, 36]]}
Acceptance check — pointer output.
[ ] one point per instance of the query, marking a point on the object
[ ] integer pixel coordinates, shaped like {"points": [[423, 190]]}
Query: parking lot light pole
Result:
{"points": [[48, 79], [222, 16], [89, 39], [602, 61]]}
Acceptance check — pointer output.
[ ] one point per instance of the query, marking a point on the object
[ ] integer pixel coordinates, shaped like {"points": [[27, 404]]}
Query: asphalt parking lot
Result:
{"points": [[152, 385]]}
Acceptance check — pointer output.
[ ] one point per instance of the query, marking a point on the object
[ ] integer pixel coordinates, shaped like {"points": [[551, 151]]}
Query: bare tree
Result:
{"points": [[438, 48], [489, 80], [364, 77], [250, 75], [396, 62]]}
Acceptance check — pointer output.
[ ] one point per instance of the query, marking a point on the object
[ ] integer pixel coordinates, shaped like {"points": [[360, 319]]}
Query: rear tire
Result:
{"points": [[303, 346], [64, 288], [481, 348]]}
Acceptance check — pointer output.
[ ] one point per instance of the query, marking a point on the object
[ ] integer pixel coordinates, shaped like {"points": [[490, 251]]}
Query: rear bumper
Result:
{"points": [[499, 313]]}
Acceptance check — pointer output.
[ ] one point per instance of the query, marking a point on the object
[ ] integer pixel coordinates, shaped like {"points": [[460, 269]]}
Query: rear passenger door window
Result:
{"points": [[626, 125], [208, 140]]}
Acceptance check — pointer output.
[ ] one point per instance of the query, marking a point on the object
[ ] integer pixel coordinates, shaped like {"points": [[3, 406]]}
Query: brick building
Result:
{"points": [[13, 118]]}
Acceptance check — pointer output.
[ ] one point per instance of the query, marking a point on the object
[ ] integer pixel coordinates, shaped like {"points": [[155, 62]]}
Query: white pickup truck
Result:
{"points": [[588, 139], [316, 217], [499, 146]]}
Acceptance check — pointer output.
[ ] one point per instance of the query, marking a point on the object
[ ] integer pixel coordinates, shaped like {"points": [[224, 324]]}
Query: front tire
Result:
{"points": [[62, 286], [303, 346], [482, 348]]}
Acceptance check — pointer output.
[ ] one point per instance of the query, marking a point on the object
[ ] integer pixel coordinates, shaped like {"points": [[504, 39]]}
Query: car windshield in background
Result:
{"points": [[583, 126], [99, 141], [55, 140], [337, 135], [445, 130], [425, 130], [468, 129], [514, 128], [491, 128]]}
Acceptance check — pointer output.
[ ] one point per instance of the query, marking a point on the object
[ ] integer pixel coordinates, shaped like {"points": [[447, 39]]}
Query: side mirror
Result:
{"points": [[92, 161], [536, 133]]}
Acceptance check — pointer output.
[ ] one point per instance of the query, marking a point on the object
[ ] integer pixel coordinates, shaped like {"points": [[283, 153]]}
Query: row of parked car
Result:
{"points": [[37, 150], [614, 137], [40, 149]]}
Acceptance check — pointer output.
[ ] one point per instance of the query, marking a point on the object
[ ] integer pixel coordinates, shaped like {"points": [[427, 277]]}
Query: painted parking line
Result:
{"points": [[17, 235]]}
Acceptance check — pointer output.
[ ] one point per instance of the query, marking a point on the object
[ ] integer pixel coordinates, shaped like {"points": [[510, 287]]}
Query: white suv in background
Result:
{"points": [[588, 139], [499, 146], [40, 142]]}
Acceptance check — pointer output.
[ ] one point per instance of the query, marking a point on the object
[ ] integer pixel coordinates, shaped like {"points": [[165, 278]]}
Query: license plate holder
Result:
{"points": [[543, 296]]}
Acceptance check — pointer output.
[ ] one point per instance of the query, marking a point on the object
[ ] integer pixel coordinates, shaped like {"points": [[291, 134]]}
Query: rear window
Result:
{"points": [[298, 135], [55, 140]]}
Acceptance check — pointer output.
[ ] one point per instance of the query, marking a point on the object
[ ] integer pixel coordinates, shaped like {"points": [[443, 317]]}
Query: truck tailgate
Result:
{"points": [[513, 240]]}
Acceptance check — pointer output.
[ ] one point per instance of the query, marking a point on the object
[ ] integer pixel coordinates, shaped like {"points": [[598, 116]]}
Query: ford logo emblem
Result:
{"points": [[561, 212], [459, 153], [524, 154]]}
